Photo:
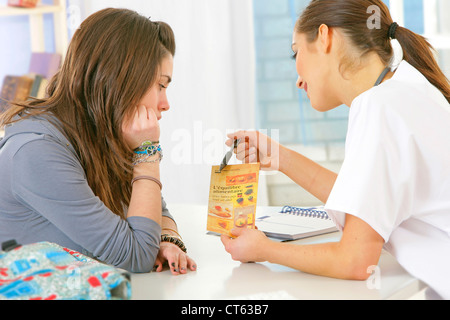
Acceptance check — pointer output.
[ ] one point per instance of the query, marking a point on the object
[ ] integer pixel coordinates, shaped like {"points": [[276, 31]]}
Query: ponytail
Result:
{"points": [[419, 53], [351, 16]]}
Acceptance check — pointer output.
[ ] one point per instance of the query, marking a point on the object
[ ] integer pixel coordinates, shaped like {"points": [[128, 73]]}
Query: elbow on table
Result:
{"points": [[142, 266], [357, 265], [140, 259], [360, 273], [360, 268]]}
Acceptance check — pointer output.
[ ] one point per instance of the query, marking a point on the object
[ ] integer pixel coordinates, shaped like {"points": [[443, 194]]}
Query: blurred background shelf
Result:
{"points": [[36, 17], [40, 9]]}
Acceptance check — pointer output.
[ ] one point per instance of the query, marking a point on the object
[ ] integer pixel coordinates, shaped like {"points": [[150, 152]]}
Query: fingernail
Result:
{"points": [[173, 264]]}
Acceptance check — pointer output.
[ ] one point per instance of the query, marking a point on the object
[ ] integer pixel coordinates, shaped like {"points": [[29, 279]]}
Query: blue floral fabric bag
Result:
{"points": [[47, 271]]}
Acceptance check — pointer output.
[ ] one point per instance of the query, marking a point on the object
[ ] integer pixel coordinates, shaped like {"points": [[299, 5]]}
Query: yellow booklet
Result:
{"points": [[232, 198]]}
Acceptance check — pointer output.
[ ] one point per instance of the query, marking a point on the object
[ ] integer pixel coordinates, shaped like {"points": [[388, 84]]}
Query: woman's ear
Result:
{"points": [[325, 38]]}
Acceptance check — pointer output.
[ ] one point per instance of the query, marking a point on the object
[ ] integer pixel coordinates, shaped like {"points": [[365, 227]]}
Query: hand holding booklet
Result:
{"points": [[232, 204], [293, 223]]}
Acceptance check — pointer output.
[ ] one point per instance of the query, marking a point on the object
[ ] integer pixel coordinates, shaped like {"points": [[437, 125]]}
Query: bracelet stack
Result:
{"points": [[145, 152], [176, 241]]}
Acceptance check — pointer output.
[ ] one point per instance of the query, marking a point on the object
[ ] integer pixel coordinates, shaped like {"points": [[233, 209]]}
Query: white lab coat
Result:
{"points": [[396, 173]]}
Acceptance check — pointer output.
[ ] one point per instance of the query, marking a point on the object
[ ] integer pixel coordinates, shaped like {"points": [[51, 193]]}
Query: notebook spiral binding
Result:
{"points": [[306, 212]]}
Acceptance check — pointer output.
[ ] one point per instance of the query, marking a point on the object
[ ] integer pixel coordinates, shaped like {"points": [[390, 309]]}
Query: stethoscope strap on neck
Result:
{"points": [[382, 75]]}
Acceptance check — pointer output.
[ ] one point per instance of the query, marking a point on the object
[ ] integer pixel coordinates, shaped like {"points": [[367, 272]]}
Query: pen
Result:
{"points": [[228, 155]]}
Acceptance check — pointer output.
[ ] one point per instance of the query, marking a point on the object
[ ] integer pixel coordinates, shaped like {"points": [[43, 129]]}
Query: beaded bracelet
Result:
{"points": [[145, 158], [174, 240], [148, 147], [145, 152]]}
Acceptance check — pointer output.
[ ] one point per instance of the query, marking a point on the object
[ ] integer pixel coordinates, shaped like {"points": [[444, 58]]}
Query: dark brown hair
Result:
{"points": [[351, 17], [112, 61]]}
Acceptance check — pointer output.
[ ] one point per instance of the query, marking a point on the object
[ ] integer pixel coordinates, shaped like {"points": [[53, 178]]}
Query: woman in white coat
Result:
{"points": [[393, 190]]}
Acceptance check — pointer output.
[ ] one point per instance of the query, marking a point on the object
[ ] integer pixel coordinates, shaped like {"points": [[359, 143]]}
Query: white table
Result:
{"points": [[220, 278]]}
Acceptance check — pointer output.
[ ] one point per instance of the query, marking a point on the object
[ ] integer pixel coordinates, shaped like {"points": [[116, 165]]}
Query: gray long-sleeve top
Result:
{"points": [[44, 196]]}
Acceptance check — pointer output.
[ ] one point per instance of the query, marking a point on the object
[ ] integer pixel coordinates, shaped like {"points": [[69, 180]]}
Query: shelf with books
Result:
{"points": [[43, 66]]}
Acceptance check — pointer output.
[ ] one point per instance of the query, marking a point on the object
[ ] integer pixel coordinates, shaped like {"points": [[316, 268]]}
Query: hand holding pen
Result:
{"points": [[256, 147]]}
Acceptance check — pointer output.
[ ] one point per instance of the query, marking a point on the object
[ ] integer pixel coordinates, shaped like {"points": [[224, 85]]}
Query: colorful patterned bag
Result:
{"points": [[47, 271]]}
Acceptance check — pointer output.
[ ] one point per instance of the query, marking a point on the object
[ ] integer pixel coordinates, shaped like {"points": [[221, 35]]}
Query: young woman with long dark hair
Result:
{"points": [[81, 167]]}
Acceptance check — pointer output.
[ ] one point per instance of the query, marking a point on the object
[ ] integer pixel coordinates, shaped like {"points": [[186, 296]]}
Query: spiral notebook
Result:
{"points": [[293, 223]]}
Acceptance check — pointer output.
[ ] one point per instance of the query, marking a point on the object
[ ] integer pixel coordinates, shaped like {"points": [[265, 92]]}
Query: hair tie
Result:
{"points": [[158, 26], [392, 30]]}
